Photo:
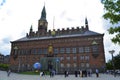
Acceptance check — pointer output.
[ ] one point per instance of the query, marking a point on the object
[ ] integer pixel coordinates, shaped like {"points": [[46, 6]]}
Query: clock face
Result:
{"points": [[41, 23]]}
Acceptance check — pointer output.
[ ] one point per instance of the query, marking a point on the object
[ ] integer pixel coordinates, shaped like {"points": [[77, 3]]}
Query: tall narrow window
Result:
{"points": [[56, 51], [82, 64], [62, 50], [74, 58], [39, 51], [68, 58], [81, 50], [45, 51], [87, 65], [67, 50], [87, 49], [87, 58], [81, 57], [68, 65], [74, 50], [95, 49]]}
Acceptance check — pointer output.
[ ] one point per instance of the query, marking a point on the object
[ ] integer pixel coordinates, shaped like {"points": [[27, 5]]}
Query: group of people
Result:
{"points": [[52, 73], [83, 73], [80, 73]]}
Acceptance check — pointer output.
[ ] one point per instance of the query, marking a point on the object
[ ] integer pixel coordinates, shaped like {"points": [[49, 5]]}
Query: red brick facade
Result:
{"points": [[74, 49]]}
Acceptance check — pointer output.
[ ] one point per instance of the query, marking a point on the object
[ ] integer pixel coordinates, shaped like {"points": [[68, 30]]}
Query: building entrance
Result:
{"points": [[50, 63]]}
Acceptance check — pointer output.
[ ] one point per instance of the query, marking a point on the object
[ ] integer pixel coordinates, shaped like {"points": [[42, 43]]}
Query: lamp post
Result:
{"points": [[112, 52]]}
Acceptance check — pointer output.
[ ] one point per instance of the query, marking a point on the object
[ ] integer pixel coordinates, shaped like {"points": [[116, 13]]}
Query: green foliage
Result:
{"points": [[116, 61], [30, 73], [116, 38], [112, 8], [109, 65], [4, 66]]}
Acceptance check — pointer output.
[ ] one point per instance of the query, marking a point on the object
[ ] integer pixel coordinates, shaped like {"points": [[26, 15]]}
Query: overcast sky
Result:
{"points": [[16, 17]]}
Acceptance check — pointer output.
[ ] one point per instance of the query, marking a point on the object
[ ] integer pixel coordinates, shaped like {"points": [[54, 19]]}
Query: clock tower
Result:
{"points": [[42, 22]]}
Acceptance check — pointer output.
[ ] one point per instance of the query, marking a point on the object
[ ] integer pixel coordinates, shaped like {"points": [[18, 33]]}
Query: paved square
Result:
{"points": [[14, 76]]}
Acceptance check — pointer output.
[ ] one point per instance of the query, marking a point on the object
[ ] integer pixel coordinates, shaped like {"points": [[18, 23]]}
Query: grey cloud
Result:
{"points": [[6, 40], [107, 24], [70, 19]]}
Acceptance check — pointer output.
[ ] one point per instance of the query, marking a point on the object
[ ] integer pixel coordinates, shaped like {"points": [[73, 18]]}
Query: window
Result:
{"points": [[74, 50], [56, 51], [87, 49], [39, 51], [68, 58], [81, 57], [75, 65], [33, 51], [87, 58], [62, 50], [81, 50], [62, 65], [68, 65], [67, 50], [74, 58], [95, 48], [87, 65], [44, 51], [82, 65], [61, 58]]}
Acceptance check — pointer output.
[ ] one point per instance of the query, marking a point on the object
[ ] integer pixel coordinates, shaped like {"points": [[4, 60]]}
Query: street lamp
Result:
{"points": [[112, 52]]}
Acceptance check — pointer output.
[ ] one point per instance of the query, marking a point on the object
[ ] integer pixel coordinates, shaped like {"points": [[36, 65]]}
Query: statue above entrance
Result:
{"points": [[50, 50]]}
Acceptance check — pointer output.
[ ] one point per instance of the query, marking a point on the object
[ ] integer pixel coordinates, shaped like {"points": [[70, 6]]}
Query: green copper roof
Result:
{"points": [[43, 14]]}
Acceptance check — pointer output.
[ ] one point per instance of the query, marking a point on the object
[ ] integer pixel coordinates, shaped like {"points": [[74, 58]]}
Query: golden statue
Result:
{"points": [[50, 49]]}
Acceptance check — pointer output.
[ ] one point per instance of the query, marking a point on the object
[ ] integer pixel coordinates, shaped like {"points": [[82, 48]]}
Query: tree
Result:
{"points": [[109, 65], [112, 8], [116, 61]]}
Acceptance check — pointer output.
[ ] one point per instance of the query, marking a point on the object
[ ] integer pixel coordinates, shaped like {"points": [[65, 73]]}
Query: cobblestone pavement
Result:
{"points": [[14, 76]]}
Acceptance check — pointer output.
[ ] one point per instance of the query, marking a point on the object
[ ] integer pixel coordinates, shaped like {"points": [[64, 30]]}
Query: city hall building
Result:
{"points": [[62, 49]]}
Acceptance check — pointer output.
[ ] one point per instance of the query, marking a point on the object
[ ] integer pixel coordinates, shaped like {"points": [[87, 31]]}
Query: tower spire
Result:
{"points": [[42, 22], [43, 13], [86, 24]]}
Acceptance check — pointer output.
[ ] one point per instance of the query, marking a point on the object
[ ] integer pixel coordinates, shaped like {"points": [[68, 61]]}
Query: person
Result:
{"points": [[66, 73], [76, 73], [51, 74], [90, 72], [41, 73], [80, 73], [97, 73], [8, 73], [85, 73]]}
